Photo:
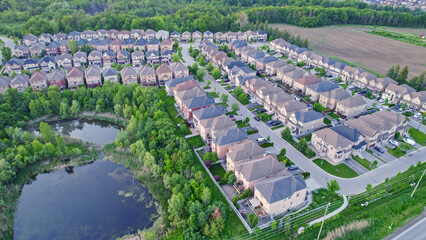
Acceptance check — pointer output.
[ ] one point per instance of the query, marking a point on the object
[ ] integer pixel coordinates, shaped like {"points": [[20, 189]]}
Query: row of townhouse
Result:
{"points": [[138, 34], [275, 190], [47, 63], [386, 87], [92, 76], [340, 142]]}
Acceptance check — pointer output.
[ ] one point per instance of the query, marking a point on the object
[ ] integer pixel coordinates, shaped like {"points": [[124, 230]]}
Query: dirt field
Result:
{"points": [[372, 52]]}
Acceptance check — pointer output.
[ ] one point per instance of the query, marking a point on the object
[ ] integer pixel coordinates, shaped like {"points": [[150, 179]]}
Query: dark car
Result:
{"points": [[379, 149], [257, 118], [293, 167]]}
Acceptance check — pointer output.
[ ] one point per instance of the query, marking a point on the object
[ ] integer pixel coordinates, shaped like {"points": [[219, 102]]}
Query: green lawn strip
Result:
{"points": [[206, 87], [326, 121], [364, 162], [252, 109], [308, 137], [335, 116], [217, 169], [396, 152], [170, 101], [231, 113], [213, 94], [223, 104], [418, 136], [241, 124], [277, 127], [195, 141], [340, 170], [265, 117]]}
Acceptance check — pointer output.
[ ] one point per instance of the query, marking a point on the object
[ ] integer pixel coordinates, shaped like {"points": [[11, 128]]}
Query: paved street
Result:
{"points": [[415, 232], [8, 43]]}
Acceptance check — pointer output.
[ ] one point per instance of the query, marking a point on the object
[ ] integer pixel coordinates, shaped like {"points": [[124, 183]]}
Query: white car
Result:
{"points": [[261, 140], [381, 100], [394, 142], [409, 141]]}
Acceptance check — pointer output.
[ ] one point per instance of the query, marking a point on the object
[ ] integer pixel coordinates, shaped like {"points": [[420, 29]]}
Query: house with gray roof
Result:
{"points": [[170, 85], [331, 98], [209, 128], [208, 112], [305, 121], [252, 58], [57, 78], [227, 138], [246, 151], [30, 64], [4, 84], [20, 82], [189, 106], [110, 74], [52, 48], [152, 57], [314, 90], [93, 76], [280, 194], [64, 60], [138, 58], [261, 62], [47, 63], [79, 58]]}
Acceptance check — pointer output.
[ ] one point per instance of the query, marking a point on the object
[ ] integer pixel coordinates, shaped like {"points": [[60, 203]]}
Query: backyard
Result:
{"points": [[340, 170], [195, 142], [217, 169], [170, 101]]}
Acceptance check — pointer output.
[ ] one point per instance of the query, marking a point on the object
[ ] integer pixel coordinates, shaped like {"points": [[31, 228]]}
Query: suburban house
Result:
{"points": [[272, 67], [415, 101], [193, 104], [123, 57], [93, 76], [166, 56], [95, 58], [129, 75], [348, 73], [20, 82], [379, 127], [301, 83], [191, 84], [63, 47], [236, 44], [152, 57], [175, 35], [136, 34], [64, 60], [38, 80], [240, 71], [153, 45], [255, 84], [303, 121], [52, 48], [363, 79], [207, 35], [351, 107], [170, 85], [250, 36], [314, 90], [47, 63], [138, 58], [13, 65], [226, 139], [128, 44], [286, 109], [36, 50], [252, 58], [150, 34], [162, 34], [338, 143], [186, 36], [21, 51], [75, 77], [246, 151], [180, 96], [283, 70], [164, 73], [197, 35], [110, 74], [262, 36], [394, 93], [211, 127], [123, 34], [108, 58], [330, 99], [280, 194], [30, 64], [179, 70], [59, 37], [257, 170], [246, 52], [208, 113], [261, 63], [289, 77], [273, 100], [101, 45], [79, 58], [57, 78], [166, 44], [115, 45], [378, 85], [112, 34], [147, 76], [219, 37], [29, 39], [263, 92], [4, 84]]}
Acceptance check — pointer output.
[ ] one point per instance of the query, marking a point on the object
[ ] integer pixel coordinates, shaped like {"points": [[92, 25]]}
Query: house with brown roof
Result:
{"points": [[272, 67], [379, 127], [300, 122], [255, 84], [129, 75], [226, 139], [21, 51], [20, 82], [248, 51], [287, 108], [136, 34], [211, 127], [174, 83], [274, 100], [38, 80], [246, 151], [79, 58], [301, 83], [351, 107], [36, 50], [57, 78], [378, 85], [95, 58], [289, 77], [4, 84], [164, 73], [179, 70], [394, 93], [138, 58], [415, 101], [166, 44], [93, 76], [75, 77], [147, 76], [115, 45], [112, 34], [153, 45], [338, 143], [329, 99], [110, 74]]}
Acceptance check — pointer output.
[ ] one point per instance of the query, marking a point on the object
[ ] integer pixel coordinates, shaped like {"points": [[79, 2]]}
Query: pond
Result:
{"points": [[101, 200]]}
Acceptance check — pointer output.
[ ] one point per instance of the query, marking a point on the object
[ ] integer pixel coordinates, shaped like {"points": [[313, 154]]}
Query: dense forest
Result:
{"points": [[36, 16]]}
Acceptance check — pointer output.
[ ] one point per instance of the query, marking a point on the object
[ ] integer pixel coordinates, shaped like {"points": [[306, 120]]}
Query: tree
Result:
{"points": [[396, 72], [390, 72], [209, 82], [231, 179], [210, 67], [368, 94], [286, 134], [252, 219], [333, 185], [211, 157], [7, 53], [283, 152], [75, 108], [175, 57], [302, 145], [402, 76], [224, 98], [73, 46], [235, 107], [206, 195], [47, 135], [190, 49], [63, 109], [404, 106], [200, 74], [200, 60], [369, 187], [216, 73]]}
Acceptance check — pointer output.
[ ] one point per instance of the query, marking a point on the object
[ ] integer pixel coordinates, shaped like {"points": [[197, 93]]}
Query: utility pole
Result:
{"points": [[322, 224], [418, 184]]}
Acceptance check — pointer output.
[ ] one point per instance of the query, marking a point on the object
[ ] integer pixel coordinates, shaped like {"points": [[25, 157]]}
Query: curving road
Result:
{"points": [[8, 43]]}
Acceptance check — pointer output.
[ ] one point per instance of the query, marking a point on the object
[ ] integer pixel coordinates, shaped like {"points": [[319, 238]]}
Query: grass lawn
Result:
{"points": [[364, 162], [241, 124], [326, 121], [213, 94], [277, 127], [340, 170], [308, 137], [217, 169], [195, 141], [408, 114], [265, 117], [418, 136], [223, 104], [231, 113], [267, 144], [170, 101], [396, 152], [323, 196], [206, 87], [252, 109], [335, 116]]}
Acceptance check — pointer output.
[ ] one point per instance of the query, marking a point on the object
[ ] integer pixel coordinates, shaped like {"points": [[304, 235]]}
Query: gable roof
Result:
{"points": [[308, 116], [351, 102], [280, 187], [247, 149], [93, 71], [128, 71], [178, 66], [4, 81], [198, 102], [110, 72], [336, 94], [163, 68], [146, 70], [230, 136], [323, 86], [75, 72], [38, 76], [308, 80], [20, 78], [210, 112], [176, 81], [56, 75], [262, 167]]}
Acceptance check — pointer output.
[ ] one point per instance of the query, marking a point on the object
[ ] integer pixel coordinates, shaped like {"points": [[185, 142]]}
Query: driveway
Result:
{"points": [[356, 166]]}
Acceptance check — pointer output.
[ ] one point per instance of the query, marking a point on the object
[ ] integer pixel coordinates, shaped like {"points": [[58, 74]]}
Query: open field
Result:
{"points": [[353, 44]]}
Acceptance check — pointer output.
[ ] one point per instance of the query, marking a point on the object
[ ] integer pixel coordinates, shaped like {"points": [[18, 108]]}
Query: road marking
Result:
{"points": [[409, 229]]}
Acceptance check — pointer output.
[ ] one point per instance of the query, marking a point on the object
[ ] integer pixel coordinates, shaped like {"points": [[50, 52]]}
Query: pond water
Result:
{"points": [[101, 200]]}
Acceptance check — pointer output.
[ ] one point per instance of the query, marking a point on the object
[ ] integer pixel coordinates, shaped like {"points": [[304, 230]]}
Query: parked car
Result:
{"points": [[261, 140], [394, 142], [418, 115], [409, 141], [257, 118], [231, 117], [379, 149], [293, 167], [381, 100]]}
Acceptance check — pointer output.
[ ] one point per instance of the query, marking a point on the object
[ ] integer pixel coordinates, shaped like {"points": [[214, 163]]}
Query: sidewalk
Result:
{"points": [[341, 208]]}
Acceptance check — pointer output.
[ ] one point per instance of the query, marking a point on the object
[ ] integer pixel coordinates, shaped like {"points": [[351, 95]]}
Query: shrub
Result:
{"points": [[208, 164], [306, 175], [231, 179], [252, 219], [217, 178], [267, 144]]}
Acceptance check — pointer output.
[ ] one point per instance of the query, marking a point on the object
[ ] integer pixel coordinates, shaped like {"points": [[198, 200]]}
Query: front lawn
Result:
{"points": [[252, 109], [195, 141], [307, 138], [267, 144], [223, 104], [217, 169], [241, 124], [232, 113], [335, 116], [396, 152], [418, 136], [340, 170], [364, 162], [277, 127], [408, 114], [326, 121], [213, 94], [265, 117]]}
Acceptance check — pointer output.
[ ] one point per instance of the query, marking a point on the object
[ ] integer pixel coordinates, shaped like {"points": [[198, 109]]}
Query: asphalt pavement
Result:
{"points": [[8, 43]]}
